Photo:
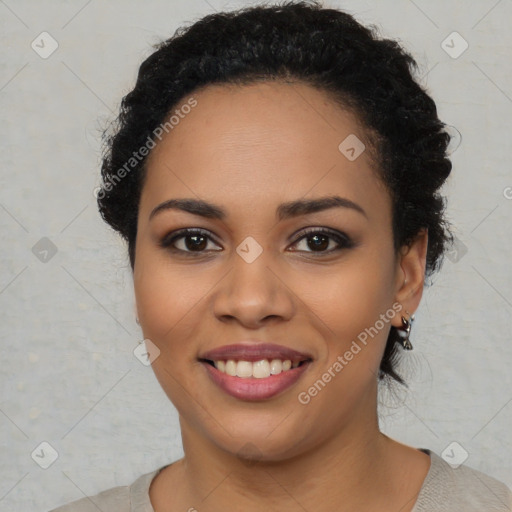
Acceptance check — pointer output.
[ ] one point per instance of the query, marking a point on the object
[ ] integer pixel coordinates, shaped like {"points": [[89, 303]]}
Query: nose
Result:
{"points": [[253, 294]]}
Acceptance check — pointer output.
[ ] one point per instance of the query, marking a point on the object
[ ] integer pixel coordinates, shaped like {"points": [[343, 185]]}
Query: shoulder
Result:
{"points": [[126, 498], [447, 488], [115, 499]]}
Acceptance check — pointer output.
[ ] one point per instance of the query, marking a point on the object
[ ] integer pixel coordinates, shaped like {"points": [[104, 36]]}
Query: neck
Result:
{"points": [[346, 472]]}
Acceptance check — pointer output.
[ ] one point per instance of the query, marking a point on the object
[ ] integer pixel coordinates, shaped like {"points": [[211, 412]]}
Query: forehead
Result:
{"points": [[245, 144]]}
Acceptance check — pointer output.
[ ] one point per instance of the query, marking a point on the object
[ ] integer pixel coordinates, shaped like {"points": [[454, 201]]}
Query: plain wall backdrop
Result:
{"points": [[69, 377]]}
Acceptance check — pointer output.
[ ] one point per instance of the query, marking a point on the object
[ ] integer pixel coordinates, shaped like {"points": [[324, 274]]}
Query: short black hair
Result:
{"points": [[323, 47]]}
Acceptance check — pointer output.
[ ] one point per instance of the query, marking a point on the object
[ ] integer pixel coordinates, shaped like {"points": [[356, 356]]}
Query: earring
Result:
{"points": [[137, 320], [405, 331]]}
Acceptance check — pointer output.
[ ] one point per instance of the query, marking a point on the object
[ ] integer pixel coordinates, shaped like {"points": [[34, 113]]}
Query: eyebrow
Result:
{"points": [[284, 211]]}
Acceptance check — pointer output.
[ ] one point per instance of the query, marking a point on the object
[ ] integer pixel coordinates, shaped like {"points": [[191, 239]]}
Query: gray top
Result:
{"points": [[445, 489]]}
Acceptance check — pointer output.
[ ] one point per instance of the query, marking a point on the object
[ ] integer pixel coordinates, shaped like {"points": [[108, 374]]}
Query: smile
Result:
{"points": [[254, 371], [259, 369]]}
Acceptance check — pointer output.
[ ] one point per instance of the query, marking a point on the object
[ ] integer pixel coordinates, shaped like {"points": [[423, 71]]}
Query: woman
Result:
{"points": [[276, 174]]}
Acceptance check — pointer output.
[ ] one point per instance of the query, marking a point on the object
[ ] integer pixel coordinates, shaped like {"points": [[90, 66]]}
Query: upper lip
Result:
{"points": [[254, 351]]}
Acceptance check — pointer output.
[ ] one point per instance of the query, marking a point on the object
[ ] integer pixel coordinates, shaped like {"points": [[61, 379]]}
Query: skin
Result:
{"points": [[248, 149]]}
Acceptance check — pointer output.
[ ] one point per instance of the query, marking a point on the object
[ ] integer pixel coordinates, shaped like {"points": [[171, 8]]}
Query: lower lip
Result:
{"points": [[252, 388]]}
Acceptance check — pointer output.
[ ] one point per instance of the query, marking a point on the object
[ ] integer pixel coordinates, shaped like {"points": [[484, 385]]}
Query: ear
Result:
{"points": [[410, 276]]}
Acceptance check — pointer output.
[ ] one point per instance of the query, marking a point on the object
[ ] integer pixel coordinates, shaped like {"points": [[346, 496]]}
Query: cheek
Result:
{"points": [[357, 291], [166, 300], [166, 297], [351, 301]]}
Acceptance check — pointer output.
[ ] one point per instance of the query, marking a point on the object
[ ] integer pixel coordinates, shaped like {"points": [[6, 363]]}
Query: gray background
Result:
{"points": [[68, 373]]}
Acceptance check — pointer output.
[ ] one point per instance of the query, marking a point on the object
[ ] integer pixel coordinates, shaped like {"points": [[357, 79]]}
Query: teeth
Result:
{"points": [[261, 369], [258, 369], [230, 368], [276, 366], [244, 369]]}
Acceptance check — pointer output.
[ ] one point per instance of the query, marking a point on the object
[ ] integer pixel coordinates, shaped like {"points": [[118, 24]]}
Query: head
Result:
{"points": [[256, 112]]}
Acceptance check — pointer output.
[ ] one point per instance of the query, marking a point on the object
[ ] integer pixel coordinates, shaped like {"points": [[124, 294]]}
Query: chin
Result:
{"points": [[259, 441]]}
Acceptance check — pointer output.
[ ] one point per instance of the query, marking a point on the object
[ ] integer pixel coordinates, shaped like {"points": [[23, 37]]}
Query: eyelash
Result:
{"points": [[343, 241]]}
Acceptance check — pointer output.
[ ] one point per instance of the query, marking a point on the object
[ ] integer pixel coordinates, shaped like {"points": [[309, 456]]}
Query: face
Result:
{"points": [[312, 281]]}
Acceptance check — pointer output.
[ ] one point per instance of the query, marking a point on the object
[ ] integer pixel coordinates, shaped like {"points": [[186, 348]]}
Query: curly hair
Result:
{"points": [[325, 48]]}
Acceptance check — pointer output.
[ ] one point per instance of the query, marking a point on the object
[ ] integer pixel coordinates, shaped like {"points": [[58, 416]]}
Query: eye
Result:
{"points": [[194, 240], [320, 239]]}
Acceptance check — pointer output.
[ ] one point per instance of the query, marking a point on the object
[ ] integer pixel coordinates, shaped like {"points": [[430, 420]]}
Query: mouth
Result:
{"points": [[254, 371], [261, 369]]}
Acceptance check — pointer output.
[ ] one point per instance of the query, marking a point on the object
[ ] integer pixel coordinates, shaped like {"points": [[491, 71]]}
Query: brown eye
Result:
{"points": [[191, 241], [319, 240]]}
